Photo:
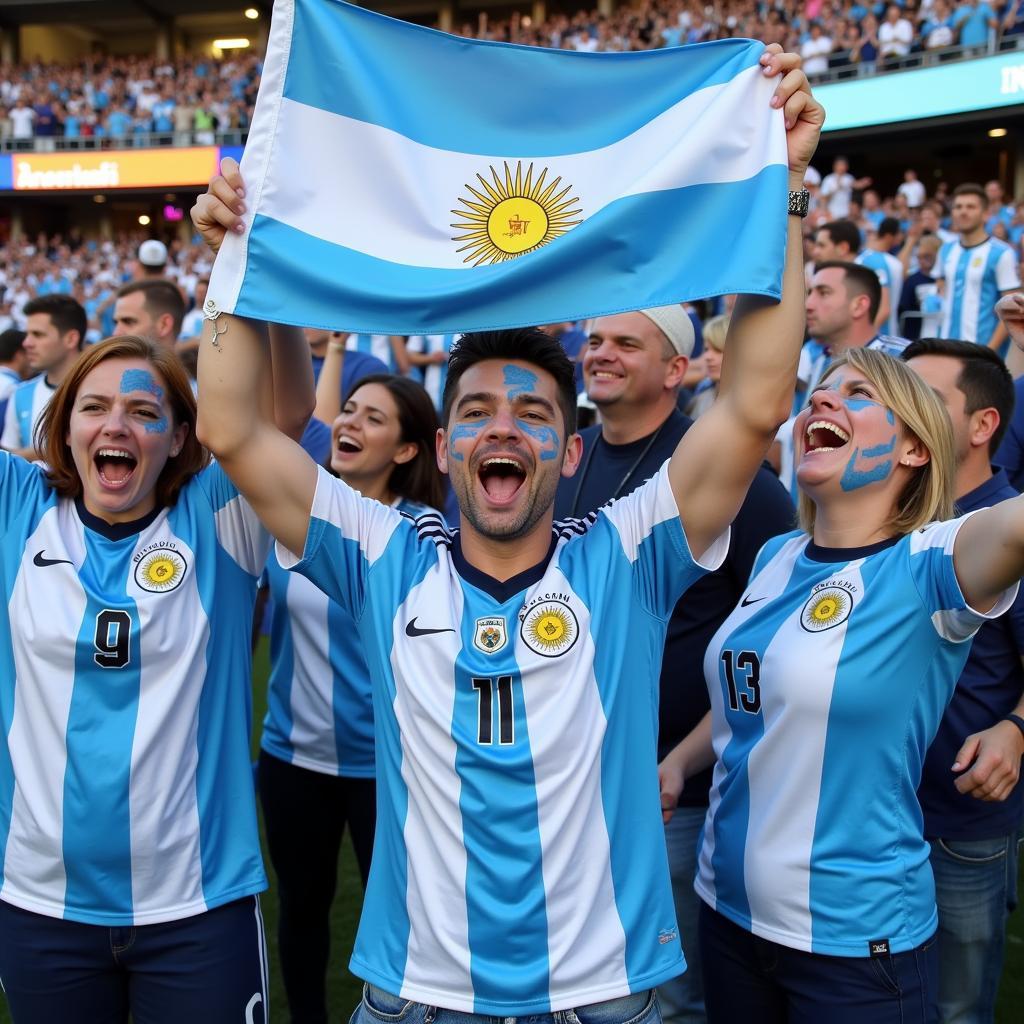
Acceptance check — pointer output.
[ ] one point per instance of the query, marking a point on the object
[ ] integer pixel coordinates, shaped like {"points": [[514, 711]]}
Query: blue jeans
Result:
{"points": [[975, 889], [682, 998], [380, 1007]]}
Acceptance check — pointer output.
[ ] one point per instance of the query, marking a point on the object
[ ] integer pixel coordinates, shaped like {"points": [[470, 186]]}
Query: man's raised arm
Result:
{"points": [[717, 458], [236, 402]]}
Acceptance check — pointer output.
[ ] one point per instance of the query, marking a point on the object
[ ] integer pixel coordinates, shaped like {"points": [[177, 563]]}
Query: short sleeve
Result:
{"points": [[347, 535], [647, 527], [239, 531], [939, 270], [23, 488], [934, 575], [11, 436], [1007, 277]]}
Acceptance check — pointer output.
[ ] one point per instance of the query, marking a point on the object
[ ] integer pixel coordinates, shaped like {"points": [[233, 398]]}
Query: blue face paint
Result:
{"points": [[890, 417], [519, 382], [460, 431], [859, 404], [880, 449], [143, 380], [547, 436], [854, 478]]}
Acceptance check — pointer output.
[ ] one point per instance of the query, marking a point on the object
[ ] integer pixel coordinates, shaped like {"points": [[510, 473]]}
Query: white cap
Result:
{"points": [[675, 324], [153, 253]]}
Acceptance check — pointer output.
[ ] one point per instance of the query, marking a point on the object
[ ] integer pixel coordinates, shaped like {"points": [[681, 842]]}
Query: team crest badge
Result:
{"points": [[160, 570], [550, 629], [490, 635], [825, 609], [512, 214]]}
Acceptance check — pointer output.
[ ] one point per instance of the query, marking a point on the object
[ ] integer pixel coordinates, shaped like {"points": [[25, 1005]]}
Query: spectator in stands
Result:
{"points": [[151, 309], [837, 187], [837, 240], [920, 306], [715, 331], [895, 34], [973, 272], [877, 255], [55, 333], [974, 20], [152, 258], [192, 325], [866, 52], [968, 792], [815, 51], [633, 366], [937, 28], [13, 365], [22, 119], [355, 364], [912, 189], [871, 211], [429, 353], [997, 211]]}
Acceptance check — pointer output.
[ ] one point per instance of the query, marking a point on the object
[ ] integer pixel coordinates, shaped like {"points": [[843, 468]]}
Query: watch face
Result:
{"points": [[799, 202]]}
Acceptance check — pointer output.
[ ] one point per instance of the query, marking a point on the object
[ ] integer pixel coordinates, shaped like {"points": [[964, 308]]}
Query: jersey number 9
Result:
{"points": [[112, 639]]}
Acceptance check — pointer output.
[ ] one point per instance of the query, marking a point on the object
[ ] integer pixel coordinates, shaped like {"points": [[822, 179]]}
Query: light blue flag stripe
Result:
{"points": [[590, 271], [480, 97]]}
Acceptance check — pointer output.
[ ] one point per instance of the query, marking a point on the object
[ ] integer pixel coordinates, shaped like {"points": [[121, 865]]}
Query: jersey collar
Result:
{"points": [[500, 590], [114, 531]]}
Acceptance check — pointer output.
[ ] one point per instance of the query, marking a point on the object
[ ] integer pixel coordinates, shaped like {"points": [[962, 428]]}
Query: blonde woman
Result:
{"points": [[827, 684], [714, 333]]}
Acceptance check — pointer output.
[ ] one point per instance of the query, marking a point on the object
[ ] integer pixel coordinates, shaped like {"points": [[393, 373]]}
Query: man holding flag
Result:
{"points": [[519, 866]]}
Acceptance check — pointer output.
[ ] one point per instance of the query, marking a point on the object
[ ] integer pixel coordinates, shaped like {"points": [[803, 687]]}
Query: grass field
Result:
{"points": [[343, 989]]}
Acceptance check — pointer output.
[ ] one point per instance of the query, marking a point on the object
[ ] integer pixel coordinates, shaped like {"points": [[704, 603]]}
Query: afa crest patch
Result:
{"points": [[490, 635], [160, 570], [826, 609], [550, 629]]}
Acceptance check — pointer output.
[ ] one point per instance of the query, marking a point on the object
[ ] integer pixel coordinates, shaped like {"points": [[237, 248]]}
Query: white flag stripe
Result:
{"points": [[372, 190]]}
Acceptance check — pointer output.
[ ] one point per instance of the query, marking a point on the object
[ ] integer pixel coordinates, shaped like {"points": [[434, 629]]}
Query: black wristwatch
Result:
{"points": [[799, 203]]}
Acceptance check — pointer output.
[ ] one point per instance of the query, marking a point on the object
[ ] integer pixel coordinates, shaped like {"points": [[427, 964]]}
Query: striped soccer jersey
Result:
{"points": [[889, 271], [126, 793], [319, 709], [519, 864], [435, 375], [26, 405], [827, 685], [376, 345], [974, 279]]}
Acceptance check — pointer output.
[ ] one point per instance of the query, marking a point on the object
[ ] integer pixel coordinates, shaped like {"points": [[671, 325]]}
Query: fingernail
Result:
{"points": [[956, 766], [240, 208], [776, 101], [239, 227], [241, 193]]}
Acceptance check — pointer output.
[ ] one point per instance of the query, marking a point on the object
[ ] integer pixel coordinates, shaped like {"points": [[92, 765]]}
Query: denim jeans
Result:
{"points": [[682, 998], [380, 1007], [975, 889], [750, 980]]}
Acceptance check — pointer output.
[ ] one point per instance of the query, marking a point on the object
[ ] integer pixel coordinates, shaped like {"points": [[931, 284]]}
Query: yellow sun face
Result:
{"points": [[512, 215], [826, 609], [550, 629], [160, 570]]}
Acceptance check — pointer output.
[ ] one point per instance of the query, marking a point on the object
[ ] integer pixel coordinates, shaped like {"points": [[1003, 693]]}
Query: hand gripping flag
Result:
{"points": [[404, 181]]}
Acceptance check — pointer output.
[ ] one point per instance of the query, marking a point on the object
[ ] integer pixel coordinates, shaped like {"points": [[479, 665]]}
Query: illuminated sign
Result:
{"points": [[969, 85], [113, 168]]}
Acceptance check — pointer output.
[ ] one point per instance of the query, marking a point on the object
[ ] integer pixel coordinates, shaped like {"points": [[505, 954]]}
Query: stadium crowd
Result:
{"points": [[876, 274], [131, 100]]}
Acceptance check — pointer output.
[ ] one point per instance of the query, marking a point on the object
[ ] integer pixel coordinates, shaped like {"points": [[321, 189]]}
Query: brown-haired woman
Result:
{"points": [[131, 858]]}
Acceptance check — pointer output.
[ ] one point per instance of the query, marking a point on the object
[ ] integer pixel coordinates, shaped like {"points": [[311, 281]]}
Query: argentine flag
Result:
{"points": [[404, 181]]}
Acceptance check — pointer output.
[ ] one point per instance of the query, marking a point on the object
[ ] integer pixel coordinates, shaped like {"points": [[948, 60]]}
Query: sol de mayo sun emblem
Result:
{"points": [[550, 629], [825, 609], [511, 215], [160, 570]]}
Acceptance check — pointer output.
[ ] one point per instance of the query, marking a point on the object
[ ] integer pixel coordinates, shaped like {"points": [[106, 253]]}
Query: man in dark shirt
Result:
{"points": [[633, 366], [972, 806]]}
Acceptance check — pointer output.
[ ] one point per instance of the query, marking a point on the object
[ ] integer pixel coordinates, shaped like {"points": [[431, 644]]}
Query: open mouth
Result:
{"points": [[115, 466], [824, 436], [347, 445], [501, 478]]}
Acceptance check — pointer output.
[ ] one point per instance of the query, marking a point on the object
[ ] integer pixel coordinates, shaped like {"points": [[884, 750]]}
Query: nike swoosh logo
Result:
{"points": [[751, 600], [412, 629], [43, 562]]}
